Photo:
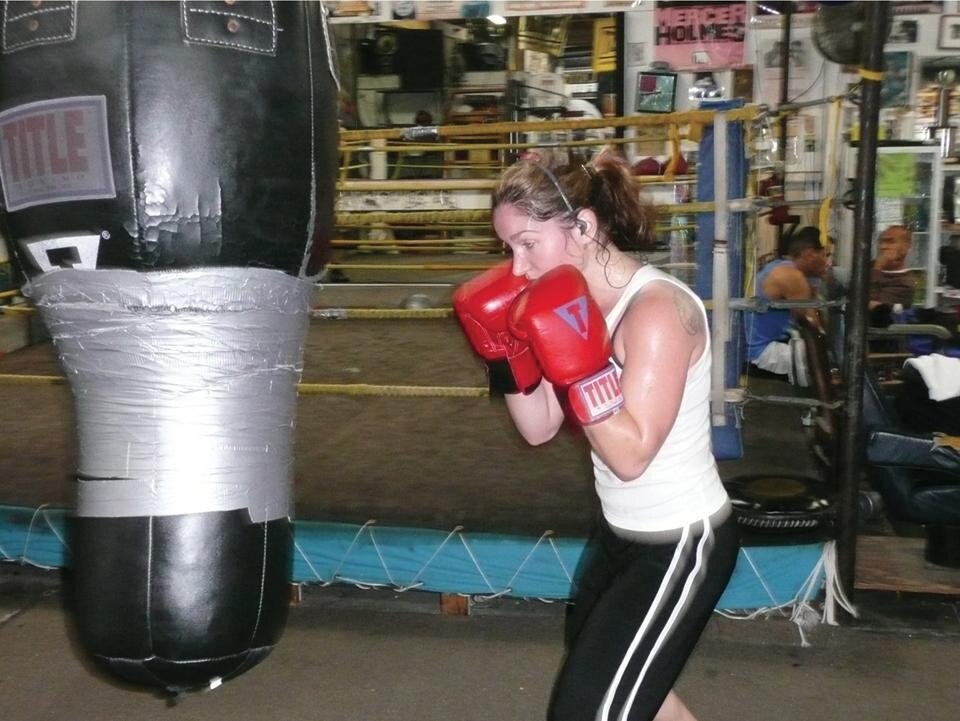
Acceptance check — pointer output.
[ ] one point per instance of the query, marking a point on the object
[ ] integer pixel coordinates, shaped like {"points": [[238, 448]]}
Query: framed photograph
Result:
{"points": [[656, 92], [743, 83], [897, 74], [903, 32], [949, 38]]}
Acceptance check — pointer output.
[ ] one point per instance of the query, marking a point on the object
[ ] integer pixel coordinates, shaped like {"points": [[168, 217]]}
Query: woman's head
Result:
{"points": [[541, 245], [568, 214]]}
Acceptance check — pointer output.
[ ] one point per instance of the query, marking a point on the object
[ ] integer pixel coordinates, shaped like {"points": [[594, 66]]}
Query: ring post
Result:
{"points": [[720, 263], [721, 289]]}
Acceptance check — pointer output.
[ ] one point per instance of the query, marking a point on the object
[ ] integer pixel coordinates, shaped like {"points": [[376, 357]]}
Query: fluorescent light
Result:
{"points": [[497, 19]]}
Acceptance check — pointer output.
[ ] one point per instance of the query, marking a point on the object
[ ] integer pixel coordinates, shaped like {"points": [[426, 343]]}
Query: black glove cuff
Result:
{"points": [[502, 382]]}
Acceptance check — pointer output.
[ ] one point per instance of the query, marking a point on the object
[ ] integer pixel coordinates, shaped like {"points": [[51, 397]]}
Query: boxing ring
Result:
{"points": [[783, 572], [469, 561]]}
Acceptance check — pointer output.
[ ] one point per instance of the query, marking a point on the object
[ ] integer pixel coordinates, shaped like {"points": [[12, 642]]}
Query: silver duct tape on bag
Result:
{"points": [[184, 385]]}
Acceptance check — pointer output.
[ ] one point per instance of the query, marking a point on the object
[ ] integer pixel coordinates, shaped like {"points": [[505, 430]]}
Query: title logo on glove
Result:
{"points": [[574, 314]]}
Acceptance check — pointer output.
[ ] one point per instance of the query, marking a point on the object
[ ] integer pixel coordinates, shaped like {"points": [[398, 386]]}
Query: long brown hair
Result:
{"points": [[603, 185]]}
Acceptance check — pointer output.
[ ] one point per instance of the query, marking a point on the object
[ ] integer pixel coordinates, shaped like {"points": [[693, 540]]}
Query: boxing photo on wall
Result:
{"points": [[656, 92]]}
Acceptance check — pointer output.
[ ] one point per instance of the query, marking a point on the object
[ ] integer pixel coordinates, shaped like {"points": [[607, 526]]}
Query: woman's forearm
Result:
{"points": [[537, 415]]}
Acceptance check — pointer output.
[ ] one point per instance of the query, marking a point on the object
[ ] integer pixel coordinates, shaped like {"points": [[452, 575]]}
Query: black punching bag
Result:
{"points": [[168, 171]]}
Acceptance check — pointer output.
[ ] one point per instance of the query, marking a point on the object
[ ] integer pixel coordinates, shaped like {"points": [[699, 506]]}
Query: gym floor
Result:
{"points": [[438, 462]]}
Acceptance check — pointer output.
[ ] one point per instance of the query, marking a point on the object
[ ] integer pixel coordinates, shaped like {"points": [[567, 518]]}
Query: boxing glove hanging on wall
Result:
{"points": [[167, 173]]}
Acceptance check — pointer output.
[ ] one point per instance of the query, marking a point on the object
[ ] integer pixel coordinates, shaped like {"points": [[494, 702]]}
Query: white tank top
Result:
{"points": [[681, 485]]}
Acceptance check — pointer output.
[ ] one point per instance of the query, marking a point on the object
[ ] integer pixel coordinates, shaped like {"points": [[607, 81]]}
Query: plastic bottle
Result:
{"points": [[899, 316]]}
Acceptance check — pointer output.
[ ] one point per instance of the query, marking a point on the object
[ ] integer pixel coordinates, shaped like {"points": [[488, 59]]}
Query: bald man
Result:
{"points": [[891, 282]]}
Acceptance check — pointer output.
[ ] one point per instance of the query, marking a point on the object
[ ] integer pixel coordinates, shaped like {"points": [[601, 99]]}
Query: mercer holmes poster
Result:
{"points": [[701, 36]]}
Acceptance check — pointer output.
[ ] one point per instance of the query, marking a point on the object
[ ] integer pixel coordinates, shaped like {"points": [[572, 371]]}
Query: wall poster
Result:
{"points": [[701, 36]]}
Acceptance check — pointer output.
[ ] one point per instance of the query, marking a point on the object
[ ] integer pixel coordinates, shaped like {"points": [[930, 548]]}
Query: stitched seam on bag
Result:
{"points": [[69, 34], [38, 11], [225, 14], [209, 41]]}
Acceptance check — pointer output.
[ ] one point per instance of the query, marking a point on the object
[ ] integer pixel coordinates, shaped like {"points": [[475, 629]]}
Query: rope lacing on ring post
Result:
{"points": [[416, 582], [763, 583], [335, 575], [835, 594], [476, 564], [803, 614], [383, 563], [508, 587], [801, 610], [563, 567], [313, 569], [24, 558], [763, 610]]}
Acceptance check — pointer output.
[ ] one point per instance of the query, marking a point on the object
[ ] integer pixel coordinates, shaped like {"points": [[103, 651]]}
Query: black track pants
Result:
{"points": [[639, 611]]}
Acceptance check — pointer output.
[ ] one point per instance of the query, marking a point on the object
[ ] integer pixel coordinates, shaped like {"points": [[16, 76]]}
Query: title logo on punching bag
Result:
{"points": [[574, 314], [54, 151]]}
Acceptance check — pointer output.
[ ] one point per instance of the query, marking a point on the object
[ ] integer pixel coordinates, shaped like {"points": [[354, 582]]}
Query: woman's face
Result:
{"points": [[537, 246]]}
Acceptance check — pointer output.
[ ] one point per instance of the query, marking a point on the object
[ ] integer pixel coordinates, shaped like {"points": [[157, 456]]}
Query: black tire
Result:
{"points": [[780, 503]]}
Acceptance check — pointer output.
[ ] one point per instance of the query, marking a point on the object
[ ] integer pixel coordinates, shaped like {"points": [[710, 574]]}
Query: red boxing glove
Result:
{"points": [[481, 305], [568, 334]]}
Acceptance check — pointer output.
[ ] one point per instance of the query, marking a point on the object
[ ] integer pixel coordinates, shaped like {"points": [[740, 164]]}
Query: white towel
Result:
{"points": [[941, 374]]}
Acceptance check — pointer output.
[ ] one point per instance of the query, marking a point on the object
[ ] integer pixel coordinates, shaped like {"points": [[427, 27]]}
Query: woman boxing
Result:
{"points": [[575, 327]]}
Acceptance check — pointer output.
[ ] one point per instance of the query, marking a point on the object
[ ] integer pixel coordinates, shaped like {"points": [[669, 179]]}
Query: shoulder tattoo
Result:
{"points": [[690, 317]]}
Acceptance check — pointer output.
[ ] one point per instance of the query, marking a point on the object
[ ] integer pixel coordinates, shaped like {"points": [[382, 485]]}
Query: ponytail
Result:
{"points": [[627, 218]]}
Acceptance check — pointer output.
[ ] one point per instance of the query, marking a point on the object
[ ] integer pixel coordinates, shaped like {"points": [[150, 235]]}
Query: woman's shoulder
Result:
{"points": [[660, 284], [659, 305]]}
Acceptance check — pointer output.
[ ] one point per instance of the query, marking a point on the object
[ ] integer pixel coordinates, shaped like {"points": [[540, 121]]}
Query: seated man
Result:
{"points": [[792, 278], [891, 281]]}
